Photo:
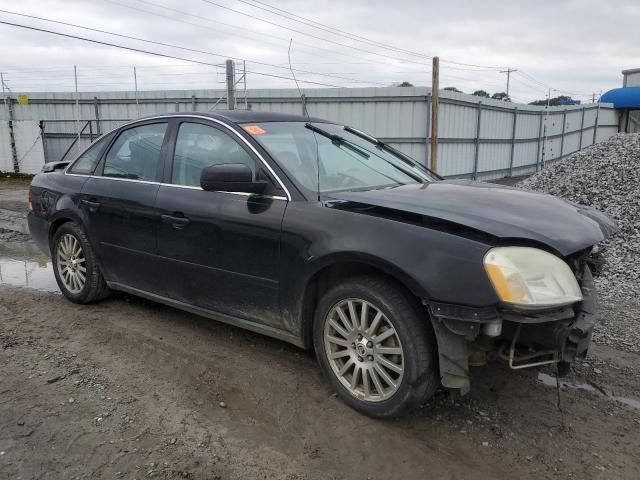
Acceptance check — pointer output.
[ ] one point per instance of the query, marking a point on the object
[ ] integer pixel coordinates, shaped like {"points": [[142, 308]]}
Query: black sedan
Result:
{"points": [[325, 237]]}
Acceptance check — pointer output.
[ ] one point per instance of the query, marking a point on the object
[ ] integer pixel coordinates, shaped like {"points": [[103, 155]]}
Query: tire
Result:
{"points": [[413, 374], [70, 244]]}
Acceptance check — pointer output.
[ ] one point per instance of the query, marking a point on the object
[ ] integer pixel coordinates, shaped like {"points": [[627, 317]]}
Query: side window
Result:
{"points": [[136, 153], [87, 162], [199, 146]]}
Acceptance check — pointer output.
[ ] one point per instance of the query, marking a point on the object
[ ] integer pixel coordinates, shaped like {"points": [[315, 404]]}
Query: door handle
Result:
{"points": [[93, 206], [176, 222]]}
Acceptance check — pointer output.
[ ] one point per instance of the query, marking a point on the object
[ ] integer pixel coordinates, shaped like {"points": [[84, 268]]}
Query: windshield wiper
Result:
{"points": [[385, 146], [337, 139]]}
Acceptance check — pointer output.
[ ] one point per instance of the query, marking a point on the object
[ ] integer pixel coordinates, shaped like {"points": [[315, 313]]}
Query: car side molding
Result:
{"points": [[220, 317]]}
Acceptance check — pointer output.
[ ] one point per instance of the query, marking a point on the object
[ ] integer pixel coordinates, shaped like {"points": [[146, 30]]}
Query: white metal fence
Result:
{"points": [[478, 137]]}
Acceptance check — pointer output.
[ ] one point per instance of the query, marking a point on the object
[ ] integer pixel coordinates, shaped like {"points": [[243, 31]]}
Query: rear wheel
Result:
{"points": [[75, 267], [374, 344]]}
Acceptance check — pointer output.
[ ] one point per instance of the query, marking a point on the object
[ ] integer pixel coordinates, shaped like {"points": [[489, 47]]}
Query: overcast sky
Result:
{"points": [[576, 47]]}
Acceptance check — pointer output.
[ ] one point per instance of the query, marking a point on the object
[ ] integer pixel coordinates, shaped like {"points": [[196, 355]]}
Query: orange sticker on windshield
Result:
{"points": [[254, 129]]}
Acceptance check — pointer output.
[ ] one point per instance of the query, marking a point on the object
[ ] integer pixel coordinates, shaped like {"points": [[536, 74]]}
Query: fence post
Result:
{"points": [[303, 97], [12, 134], [513, 139], [135, 83], [544, 138], [97, 112], [435, 109], [564, 126], [477, 150], [581, 129], [427, 143], [538, 155], [595, 127], [43, 137], [193, 103], [77, 106]]}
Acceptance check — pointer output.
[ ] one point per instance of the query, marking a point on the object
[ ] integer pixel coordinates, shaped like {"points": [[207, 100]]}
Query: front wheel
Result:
{"points": [[375, 345], [75, 266]]}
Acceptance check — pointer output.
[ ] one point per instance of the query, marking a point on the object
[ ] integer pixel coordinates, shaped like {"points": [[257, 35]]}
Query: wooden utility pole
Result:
{"points": [[508, 71], [435, 100], [231, 85]]}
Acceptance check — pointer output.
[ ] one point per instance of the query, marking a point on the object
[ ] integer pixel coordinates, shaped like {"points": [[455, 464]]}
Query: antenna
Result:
{"points": [[306, 113], [304, 105]]}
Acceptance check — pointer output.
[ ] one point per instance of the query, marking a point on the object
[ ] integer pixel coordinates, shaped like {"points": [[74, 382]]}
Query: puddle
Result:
{"points": [[632, 402], [550, 381], [15, 221], [22, 264]]}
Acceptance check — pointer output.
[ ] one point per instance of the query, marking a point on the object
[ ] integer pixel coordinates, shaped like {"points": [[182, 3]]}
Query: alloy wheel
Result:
{"points": [[363, 349], [71, 263]]}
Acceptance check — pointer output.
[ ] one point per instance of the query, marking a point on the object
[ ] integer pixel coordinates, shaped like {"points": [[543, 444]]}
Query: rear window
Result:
{"points": [[87, 162], [136, 153]]}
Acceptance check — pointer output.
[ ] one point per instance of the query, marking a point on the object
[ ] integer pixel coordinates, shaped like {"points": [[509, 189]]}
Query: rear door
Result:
{"points": [[120, 204], [219, 250]]}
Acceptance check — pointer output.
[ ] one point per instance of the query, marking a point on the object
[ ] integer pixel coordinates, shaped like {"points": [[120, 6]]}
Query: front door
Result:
{"points": [[219, 250], [120, 203]]}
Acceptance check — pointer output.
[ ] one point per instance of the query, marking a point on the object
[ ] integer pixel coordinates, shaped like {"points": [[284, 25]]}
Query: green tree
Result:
{"points": [[405, 84], [481, 93], [452, 89], [501, 96], [553, 102]]}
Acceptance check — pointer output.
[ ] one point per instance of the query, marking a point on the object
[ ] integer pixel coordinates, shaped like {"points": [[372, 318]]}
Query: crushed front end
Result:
{"points": [[469, 336]]}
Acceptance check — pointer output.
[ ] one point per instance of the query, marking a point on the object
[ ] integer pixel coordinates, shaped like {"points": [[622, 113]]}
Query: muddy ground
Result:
{"points": [[131, 389]]}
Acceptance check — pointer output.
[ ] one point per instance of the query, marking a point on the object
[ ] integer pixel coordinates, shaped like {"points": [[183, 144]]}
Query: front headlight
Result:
{"points": [[530, 278]]}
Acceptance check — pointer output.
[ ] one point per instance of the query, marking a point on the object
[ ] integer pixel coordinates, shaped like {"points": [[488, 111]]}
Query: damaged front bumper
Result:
{"points": [[468, 336]]}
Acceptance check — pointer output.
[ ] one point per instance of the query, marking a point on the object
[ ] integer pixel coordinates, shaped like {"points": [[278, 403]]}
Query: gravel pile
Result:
{"points": [[605, 176]]}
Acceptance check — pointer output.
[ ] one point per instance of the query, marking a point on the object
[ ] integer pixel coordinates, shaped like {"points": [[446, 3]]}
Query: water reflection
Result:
{"points": [[22, 264]]}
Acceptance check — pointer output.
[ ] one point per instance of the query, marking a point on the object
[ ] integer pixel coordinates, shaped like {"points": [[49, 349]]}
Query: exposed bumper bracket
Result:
{"points": [[533, 359]]}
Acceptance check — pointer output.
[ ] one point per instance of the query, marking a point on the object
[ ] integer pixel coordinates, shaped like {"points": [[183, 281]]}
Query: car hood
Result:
{"points": [[500, 211]]}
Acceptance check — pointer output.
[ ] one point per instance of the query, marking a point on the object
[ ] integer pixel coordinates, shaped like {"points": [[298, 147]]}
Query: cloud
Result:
{"points": [[573, 46]]}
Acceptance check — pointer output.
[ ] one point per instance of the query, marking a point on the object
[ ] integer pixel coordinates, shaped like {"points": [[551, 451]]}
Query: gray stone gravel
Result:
{"points": [[607, 176]]}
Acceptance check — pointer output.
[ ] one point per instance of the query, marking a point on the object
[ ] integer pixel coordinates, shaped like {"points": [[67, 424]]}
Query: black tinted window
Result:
{"points": [[87, 162], [136, 153], [199, 146]]}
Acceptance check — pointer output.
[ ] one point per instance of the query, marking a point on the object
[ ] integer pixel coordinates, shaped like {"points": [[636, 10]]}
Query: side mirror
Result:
{"points": [[230, 177]]}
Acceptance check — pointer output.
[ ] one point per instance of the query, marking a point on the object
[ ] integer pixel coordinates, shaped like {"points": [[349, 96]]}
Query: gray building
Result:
{"points": [[631, 77]]}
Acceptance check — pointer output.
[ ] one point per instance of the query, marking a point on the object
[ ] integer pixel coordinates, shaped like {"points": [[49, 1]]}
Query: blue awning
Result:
{"points": [[627, 97]]}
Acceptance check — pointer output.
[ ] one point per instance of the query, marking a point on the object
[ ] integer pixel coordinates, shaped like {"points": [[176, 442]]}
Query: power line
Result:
{"points": [[336, 31], [310, 34], [327, 28], [261, 35], [476, 68], [573, 94], [163, 44], [148, 52], [243, 28]]}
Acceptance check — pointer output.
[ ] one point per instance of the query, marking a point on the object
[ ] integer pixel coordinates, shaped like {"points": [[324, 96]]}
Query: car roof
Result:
{"points": [[243, 116]]}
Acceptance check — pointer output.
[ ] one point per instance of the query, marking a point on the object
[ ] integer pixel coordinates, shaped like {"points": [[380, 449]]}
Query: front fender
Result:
{"points": [[434, 265], [317, 264]]}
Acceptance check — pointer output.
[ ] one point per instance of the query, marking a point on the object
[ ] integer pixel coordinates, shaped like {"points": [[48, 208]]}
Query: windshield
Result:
{"points": [[327, 158]]}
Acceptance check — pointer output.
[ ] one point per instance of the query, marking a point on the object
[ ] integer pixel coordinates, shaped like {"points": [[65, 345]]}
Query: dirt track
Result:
{"points": [[130, 389]]}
